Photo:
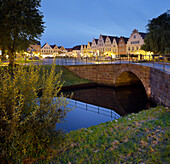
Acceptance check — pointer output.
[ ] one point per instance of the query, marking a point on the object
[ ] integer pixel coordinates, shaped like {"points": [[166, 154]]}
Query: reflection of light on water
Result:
{"points": [[93, 108], [85, 115]]}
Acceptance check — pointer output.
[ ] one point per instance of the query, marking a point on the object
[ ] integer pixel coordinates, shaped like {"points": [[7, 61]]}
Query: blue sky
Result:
{"points": [[74, 22]]}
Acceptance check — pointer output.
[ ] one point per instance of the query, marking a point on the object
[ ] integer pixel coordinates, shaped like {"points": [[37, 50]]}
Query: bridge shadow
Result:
{"points": [[123, 100]]}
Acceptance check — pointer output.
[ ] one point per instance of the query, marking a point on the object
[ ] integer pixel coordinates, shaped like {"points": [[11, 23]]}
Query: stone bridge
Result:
{"points": [[155, 82]]}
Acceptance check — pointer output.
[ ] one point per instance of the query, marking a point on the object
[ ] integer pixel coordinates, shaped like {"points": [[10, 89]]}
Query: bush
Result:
{"points": [[28, 122]]}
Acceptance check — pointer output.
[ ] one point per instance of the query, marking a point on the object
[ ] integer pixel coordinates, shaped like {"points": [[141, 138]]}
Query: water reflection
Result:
{"points": [[85, 115], [122, 100]]}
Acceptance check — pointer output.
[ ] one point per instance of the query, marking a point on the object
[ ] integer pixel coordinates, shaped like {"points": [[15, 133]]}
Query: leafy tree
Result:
{"points": [[21, 24], [157, 39], [28, 122]]}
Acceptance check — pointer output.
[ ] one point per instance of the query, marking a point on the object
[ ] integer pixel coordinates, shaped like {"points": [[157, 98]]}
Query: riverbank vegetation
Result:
{"points": [[137, 138], [28, 121], [67, 77]]}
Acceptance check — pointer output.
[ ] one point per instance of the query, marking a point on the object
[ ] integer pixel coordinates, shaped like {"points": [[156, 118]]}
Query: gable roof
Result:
{"points": [[117, 40], [124, 38], [90, 43], [45, 44], [142, 34], [104, 37], [52, 46], [96, 40], [112, 38], [78, 47]]}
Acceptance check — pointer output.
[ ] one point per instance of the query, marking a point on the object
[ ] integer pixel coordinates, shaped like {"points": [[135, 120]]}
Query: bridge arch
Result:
{"points": [[131, 76]]}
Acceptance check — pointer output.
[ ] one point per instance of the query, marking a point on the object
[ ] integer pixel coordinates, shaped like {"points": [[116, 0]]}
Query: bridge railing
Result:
{"points": [[161, 62], [156, 61], [94, 108]]}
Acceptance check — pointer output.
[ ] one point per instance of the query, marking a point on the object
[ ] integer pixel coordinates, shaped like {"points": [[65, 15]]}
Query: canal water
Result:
{"points": [[99, 104]]}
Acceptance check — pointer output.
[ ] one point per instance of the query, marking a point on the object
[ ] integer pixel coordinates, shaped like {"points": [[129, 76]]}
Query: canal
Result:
{"points": [[98, 104]]}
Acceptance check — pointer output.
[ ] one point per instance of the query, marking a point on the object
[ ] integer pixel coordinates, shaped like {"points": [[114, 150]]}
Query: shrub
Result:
{"points": [[28, 122]]}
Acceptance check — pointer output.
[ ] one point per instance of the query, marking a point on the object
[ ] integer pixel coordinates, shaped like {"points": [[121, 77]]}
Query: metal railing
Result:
{"points": [[156, 61], [94, 108]]}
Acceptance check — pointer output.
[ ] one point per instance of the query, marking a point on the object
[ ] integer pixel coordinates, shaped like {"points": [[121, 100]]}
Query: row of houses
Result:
{"points": [[46, 50], [113, 46], [105, 46]]}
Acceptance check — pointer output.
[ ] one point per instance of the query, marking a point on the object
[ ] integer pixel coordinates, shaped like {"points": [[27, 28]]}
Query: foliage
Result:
{"points": [[143, 137], [157, 39], [27, 121], [21, 24]]}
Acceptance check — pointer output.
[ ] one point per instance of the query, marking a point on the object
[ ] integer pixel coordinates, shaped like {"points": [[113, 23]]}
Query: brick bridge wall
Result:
{"points": [[155, 82]]}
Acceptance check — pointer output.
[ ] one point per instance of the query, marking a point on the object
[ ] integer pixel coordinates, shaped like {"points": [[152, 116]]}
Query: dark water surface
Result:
{"points": [[120, 100]]}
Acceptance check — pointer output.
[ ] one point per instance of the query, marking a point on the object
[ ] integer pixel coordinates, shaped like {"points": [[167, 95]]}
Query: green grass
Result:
{"points": [[136, 138], [67, 76]]}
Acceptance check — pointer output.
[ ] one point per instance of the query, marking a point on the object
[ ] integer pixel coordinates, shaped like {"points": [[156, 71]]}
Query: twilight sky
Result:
{"points": [[74, 22]]}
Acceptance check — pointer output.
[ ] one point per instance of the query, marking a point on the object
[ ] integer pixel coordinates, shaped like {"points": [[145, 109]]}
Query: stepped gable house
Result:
{"points": [[115, 46], [89, 49], [101, 44], [109, 45], [135, 42], [94, 46], [122, 45]]}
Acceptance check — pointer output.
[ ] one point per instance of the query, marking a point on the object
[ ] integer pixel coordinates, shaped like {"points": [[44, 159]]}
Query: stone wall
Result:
{"points": [[160, 86], [155, 82]]}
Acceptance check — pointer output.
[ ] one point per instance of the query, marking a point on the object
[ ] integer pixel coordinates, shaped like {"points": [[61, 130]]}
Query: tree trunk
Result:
{"points": [[11, 57]]}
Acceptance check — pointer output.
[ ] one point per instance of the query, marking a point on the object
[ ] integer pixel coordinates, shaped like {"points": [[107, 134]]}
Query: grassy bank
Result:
{"points": [[136, 138], [67, 77]]}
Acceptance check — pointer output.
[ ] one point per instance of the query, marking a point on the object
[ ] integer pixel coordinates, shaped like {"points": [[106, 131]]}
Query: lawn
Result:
{"points": [[67, 76], [137, 138]]}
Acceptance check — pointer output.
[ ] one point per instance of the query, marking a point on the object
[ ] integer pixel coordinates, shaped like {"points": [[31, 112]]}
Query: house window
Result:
{"points": [[134, 36], [136, 48], [129, 48], [132, 48]]}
